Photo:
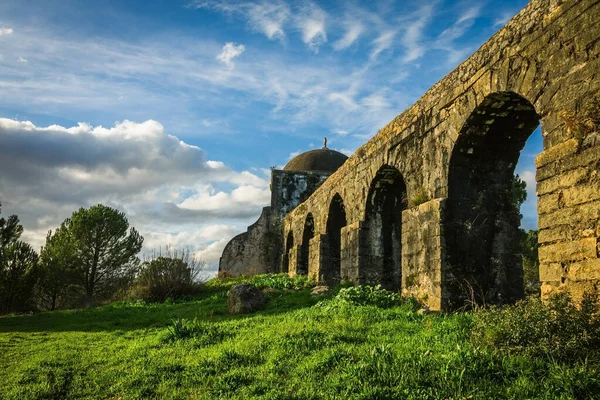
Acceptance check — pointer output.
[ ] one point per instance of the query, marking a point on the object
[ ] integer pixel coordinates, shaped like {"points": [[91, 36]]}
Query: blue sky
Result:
{"points": [[174, 111]]}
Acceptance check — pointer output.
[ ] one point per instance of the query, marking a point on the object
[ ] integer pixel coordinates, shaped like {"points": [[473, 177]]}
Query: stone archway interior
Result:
{"points": [[383, 230], [289, 244], [481, 228], [336, 220], [307, 235]]}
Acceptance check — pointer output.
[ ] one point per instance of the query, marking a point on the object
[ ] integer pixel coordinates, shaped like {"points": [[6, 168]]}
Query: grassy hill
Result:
{"points": [[294, 349]]}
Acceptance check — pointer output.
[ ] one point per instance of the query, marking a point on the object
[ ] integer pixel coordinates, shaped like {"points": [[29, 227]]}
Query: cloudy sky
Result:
{"points": [[174, 111]]}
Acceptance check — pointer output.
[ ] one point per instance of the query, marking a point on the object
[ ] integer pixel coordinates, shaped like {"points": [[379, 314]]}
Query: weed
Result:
{"points": [[205, 333], [419, 198]]}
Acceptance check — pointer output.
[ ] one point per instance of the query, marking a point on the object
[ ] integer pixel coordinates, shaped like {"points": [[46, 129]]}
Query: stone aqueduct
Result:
{"points": [[425, 206]]}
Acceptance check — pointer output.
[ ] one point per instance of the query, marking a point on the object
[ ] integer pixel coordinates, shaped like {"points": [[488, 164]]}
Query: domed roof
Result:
{"points": [[317, 160]]}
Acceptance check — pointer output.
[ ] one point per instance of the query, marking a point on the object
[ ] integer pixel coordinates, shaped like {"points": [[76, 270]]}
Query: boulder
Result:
{"points": [[245, 298], [319, 290]]}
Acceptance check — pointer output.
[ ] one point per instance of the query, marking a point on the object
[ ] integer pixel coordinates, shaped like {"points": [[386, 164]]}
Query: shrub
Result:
{"points": [[168, 277], [273, 281], [364, 295], [557, 329]]}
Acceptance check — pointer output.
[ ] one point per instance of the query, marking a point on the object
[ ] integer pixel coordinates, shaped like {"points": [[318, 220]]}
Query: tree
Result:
{"points": [[518, 191], [529, 242], [10, 231], [18, 267], [57, 267], [100, 250], [531, 262], [18, 276]]}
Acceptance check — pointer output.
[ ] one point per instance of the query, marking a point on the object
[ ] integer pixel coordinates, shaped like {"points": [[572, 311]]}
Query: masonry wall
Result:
{"points": [[569, 215], [290, 188], [548, 55], [254, 251]]}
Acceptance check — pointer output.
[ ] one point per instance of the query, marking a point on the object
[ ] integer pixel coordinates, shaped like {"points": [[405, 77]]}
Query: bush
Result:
{"points": [[273, 281], [367, 296], [557, 329], [168, 277]]}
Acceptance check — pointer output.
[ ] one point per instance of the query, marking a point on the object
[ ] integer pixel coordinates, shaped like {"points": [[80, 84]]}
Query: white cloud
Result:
{"points": [[311, 22], [413, 35], [353, 30], [230, 51], [340, 132], [6, 31], [503, 19], [382, 42], [21, 60], [266, 17], [469, 14], [375, 101], [345, 99], [162, 183]]}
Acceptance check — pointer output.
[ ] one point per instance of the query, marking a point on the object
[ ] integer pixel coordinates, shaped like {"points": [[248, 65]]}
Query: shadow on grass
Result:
{"points": [[134, 316]]}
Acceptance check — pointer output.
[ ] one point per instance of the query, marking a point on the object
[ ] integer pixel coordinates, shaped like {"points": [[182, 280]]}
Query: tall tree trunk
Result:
{"points": [[92, 278]]}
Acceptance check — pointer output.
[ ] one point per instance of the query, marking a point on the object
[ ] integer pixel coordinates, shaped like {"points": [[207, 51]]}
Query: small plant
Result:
{"points": [[581, 124], [206, 333], [412, 280], [419, 198], [557, 329]]}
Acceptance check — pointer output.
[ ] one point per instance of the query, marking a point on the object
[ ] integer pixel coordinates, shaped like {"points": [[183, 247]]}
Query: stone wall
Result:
{"points": [[290, 188], [569, 215], [547, 58], [255, 251]]}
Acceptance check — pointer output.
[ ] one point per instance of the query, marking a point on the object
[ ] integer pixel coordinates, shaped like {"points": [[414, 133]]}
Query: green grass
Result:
{"points": [[290, 350]]}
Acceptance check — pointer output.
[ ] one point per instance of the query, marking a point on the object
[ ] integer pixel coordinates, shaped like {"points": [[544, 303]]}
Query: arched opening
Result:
{"points": [[289, 244], [383, 230], [481, 229], [336, 220], [307, 235]]}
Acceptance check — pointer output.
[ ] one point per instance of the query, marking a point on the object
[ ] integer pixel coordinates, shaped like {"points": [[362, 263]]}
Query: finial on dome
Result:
{"points": [[324, 143]]}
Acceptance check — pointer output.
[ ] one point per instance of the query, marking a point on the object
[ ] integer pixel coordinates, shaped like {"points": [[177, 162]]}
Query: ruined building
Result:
{"points": [[258, 250], [424, 207]]}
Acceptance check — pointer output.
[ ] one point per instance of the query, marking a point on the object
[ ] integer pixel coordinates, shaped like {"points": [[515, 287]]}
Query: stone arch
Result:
{"points": [[382, 230], [481, 222], [289, 245], [336, 220], [307, 234]]}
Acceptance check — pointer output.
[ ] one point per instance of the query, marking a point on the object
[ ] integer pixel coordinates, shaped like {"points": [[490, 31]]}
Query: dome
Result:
{"points": [[317, 160]]}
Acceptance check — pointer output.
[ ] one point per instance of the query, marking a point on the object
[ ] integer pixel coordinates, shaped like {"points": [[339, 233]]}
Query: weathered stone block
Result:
{"points": [[584, 270], [562, 181], [585, 158], [588, 212], [558, 234], [569, 251], [551, 272]]}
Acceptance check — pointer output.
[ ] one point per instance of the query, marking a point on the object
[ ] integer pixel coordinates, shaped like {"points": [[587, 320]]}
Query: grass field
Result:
{"points": [[291, 350]]}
